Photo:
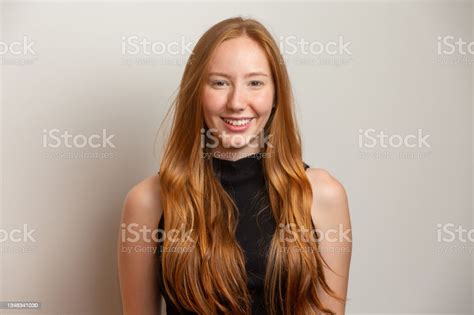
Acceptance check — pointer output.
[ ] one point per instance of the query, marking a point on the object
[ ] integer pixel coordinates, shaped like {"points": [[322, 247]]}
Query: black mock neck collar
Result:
{"points": [[240, 170]]}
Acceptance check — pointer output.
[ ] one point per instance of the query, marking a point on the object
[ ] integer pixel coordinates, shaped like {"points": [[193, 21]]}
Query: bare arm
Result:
{"points": [[330, 213], [136, 261]]}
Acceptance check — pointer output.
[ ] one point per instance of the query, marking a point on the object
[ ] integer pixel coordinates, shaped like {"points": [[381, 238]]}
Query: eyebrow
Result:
{"points": [[251, 74]]}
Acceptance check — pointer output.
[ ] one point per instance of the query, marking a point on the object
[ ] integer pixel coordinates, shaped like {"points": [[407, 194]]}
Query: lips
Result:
{"points": [[237, 122], [237, 118], [237, 125]]}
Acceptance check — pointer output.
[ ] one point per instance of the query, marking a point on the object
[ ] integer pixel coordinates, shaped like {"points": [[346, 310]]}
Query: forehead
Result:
{"points": [[239, 55]]}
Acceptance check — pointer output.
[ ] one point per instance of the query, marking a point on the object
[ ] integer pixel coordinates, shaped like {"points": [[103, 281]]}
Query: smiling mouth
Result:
{"points": [[237, 122]]}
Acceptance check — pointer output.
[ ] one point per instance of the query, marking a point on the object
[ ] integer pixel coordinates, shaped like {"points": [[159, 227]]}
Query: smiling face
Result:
{"points": [[238, 96]]}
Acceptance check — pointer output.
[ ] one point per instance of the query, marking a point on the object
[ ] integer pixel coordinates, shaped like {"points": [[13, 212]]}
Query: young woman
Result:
{"points": [[245, 226]]}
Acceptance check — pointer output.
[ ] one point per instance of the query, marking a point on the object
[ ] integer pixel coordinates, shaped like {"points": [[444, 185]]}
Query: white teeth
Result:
{"points": [[237, 122]]}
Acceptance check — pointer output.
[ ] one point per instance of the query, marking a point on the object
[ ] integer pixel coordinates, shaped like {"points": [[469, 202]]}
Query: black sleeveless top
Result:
{"points": [[244, 181]]}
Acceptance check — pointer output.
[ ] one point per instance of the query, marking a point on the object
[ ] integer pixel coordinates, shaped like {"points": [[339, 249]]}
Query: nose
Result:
{"points": [[237, 100]]}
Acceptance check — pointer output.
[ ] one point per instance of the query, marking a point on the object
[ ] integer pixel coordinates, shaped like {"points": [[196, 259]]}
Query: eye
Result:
{"points": [[256, 83], [218, 83]]}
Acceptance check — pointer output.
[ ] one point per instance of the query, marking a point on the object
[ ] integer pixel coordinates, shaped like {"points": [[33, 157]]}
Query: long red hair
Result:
{"points": [[211, 278]]}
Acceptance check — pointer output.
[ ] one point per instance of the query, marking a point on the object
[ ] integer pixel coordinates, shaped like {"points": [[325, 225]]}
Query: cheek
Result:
{"points": [[212, 103], [212, 100], [208, 102], [263, 104]]}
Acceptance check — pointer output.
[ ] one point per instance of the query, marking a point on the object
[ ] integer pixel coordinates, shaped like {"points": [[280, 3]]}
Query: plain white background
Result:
{"points": [[82, 81]]}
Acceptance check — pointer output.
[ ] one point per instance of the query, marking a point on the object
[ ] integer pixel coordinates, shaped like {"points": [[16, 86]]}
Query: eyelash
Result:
{"points": [[260, 83], [214, 83]]}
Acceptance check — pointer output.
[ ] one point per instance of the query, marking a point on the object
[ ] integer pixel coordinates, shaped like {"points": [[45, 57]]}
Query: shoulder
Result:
{"points": [[330, 214], [330, 203], [326, 187], [142, 203], [136, 259]]}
